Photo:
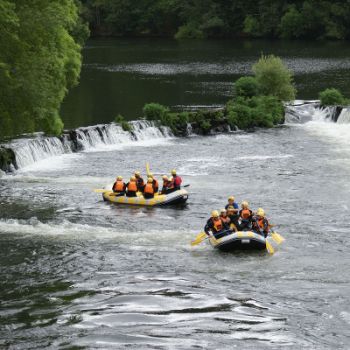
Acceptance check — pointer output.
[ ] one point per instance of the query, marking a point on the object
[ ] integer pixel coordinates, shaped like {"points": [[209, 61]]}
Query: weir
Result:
{"points": [[30, 150], [312, 111]]}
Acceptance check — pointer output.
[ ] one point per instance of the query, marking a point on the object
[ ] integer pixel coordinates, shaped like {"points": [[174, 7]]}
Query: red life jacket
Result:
{"points": [[149, 188], [218, 225], [132, 186], [245, 214], [155, 183], [177, 181], [118, 186]]}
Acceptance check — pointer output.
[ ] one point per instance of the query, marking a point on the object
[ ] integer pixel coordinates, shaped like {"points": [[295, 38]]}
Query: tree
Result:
{"points": [[274, 78], [292, 24], [39, 61]]}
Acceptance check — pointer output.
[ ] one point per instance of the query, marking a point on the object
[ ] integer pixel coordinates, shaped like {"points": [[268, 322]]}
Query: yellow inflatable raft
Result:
{"points": [[176, 197]]}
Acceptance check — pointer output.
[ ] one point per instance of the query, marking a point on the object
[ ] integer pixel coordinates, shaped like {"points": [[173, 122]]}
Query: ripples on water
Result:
{"points": [[77, 271]]}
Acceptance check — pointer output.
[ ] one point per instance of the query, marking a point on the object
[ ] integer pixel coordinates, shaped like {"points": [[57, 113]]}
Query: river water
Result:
{"points": [[77, 272]]}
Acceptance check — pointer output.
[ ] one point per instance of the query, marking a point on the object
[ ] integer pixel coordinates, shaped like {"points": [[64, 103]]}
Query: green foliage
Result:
{"points": [[189, 31], [292, 24], [39, 62], [214, 18], [246, 87], [331, 97], [155, 111], [274, 78], [119, 119], [252, 26], [258, 111]]}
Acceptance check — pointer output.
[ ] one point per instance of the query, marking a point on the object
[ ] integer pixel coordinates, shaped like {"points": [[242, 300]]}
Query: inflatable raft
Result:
{"points": [[176, 197], [241, 240]]}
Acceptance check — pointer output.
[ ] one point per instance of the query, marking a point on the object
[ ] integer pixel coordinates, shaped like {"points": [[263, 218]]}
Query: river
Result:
{"points": [[77, 272]]}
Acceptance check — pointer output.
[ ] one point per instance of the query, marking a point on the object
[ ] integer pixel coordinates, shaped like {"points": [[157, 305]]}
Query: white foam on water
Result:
{"points": [[69, 230]]}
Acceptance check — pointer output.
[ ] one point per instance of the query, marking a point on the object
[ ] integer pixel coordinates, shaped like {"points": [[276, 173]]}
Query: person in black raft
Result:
{"points": [[216, 225], [245, 215], [260, 224]]}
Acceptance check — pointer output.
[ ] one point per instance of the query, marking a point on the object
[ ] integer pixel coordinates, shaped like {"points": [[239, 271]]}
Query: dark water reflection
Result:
{"points": [[121, 75]]}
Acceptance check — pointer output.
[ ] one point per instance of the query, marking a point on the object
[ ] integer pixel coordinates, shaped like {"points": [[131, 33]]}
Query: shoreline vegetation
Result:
{"points": [[40, 56], [287, 19]]}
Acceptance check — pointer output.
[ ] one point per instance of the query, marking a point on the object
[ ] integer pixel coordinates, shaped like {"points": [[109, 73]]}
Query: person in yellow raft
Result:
{"points": [[139, 181], [131, 187], [119, 186], [148, 191]]}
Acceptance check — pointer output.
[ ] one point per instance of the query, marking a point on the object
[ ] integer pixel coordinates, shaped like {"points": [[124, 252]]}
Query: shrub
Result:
{"points": [[252, 26], [331, 97], [155, 111], [274, 78], [258, 111], [246, 87], [189, 31], [119, 119]]}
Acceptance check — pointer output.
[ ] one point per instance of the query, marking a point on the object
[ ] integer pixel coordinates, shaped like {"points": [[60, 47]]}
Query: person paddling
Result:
{"points": [[215, 225], [119, 186], [259, 223], [131, 187]]}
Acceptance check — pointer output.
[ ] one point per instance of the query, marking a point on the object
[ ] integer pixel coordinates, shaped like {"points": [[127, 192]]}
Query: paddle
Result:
{"points": [[100, 190], [269, 247], [147, 169], [277, 237], [199, 238]]}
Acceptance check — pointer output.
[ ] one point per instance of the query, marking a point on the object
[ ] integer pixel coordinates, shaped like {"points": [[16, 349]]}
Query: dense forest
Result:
{"points": [[313, 19], [40, 59]]}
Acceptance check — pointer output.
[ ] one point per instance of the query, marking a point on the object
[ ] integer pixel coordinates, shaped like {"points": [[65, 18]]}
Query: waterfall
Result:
{"points": [[344, 117], [312, 111], [31, 150]]}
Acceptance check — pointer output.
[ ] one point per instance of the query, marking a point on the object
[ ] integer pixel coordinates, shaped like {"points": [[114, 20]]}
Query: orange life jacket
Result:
{"points": [[149, 188], [262, 223], [218, 225], [132, 186], [118, 186], [245, 214]]}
